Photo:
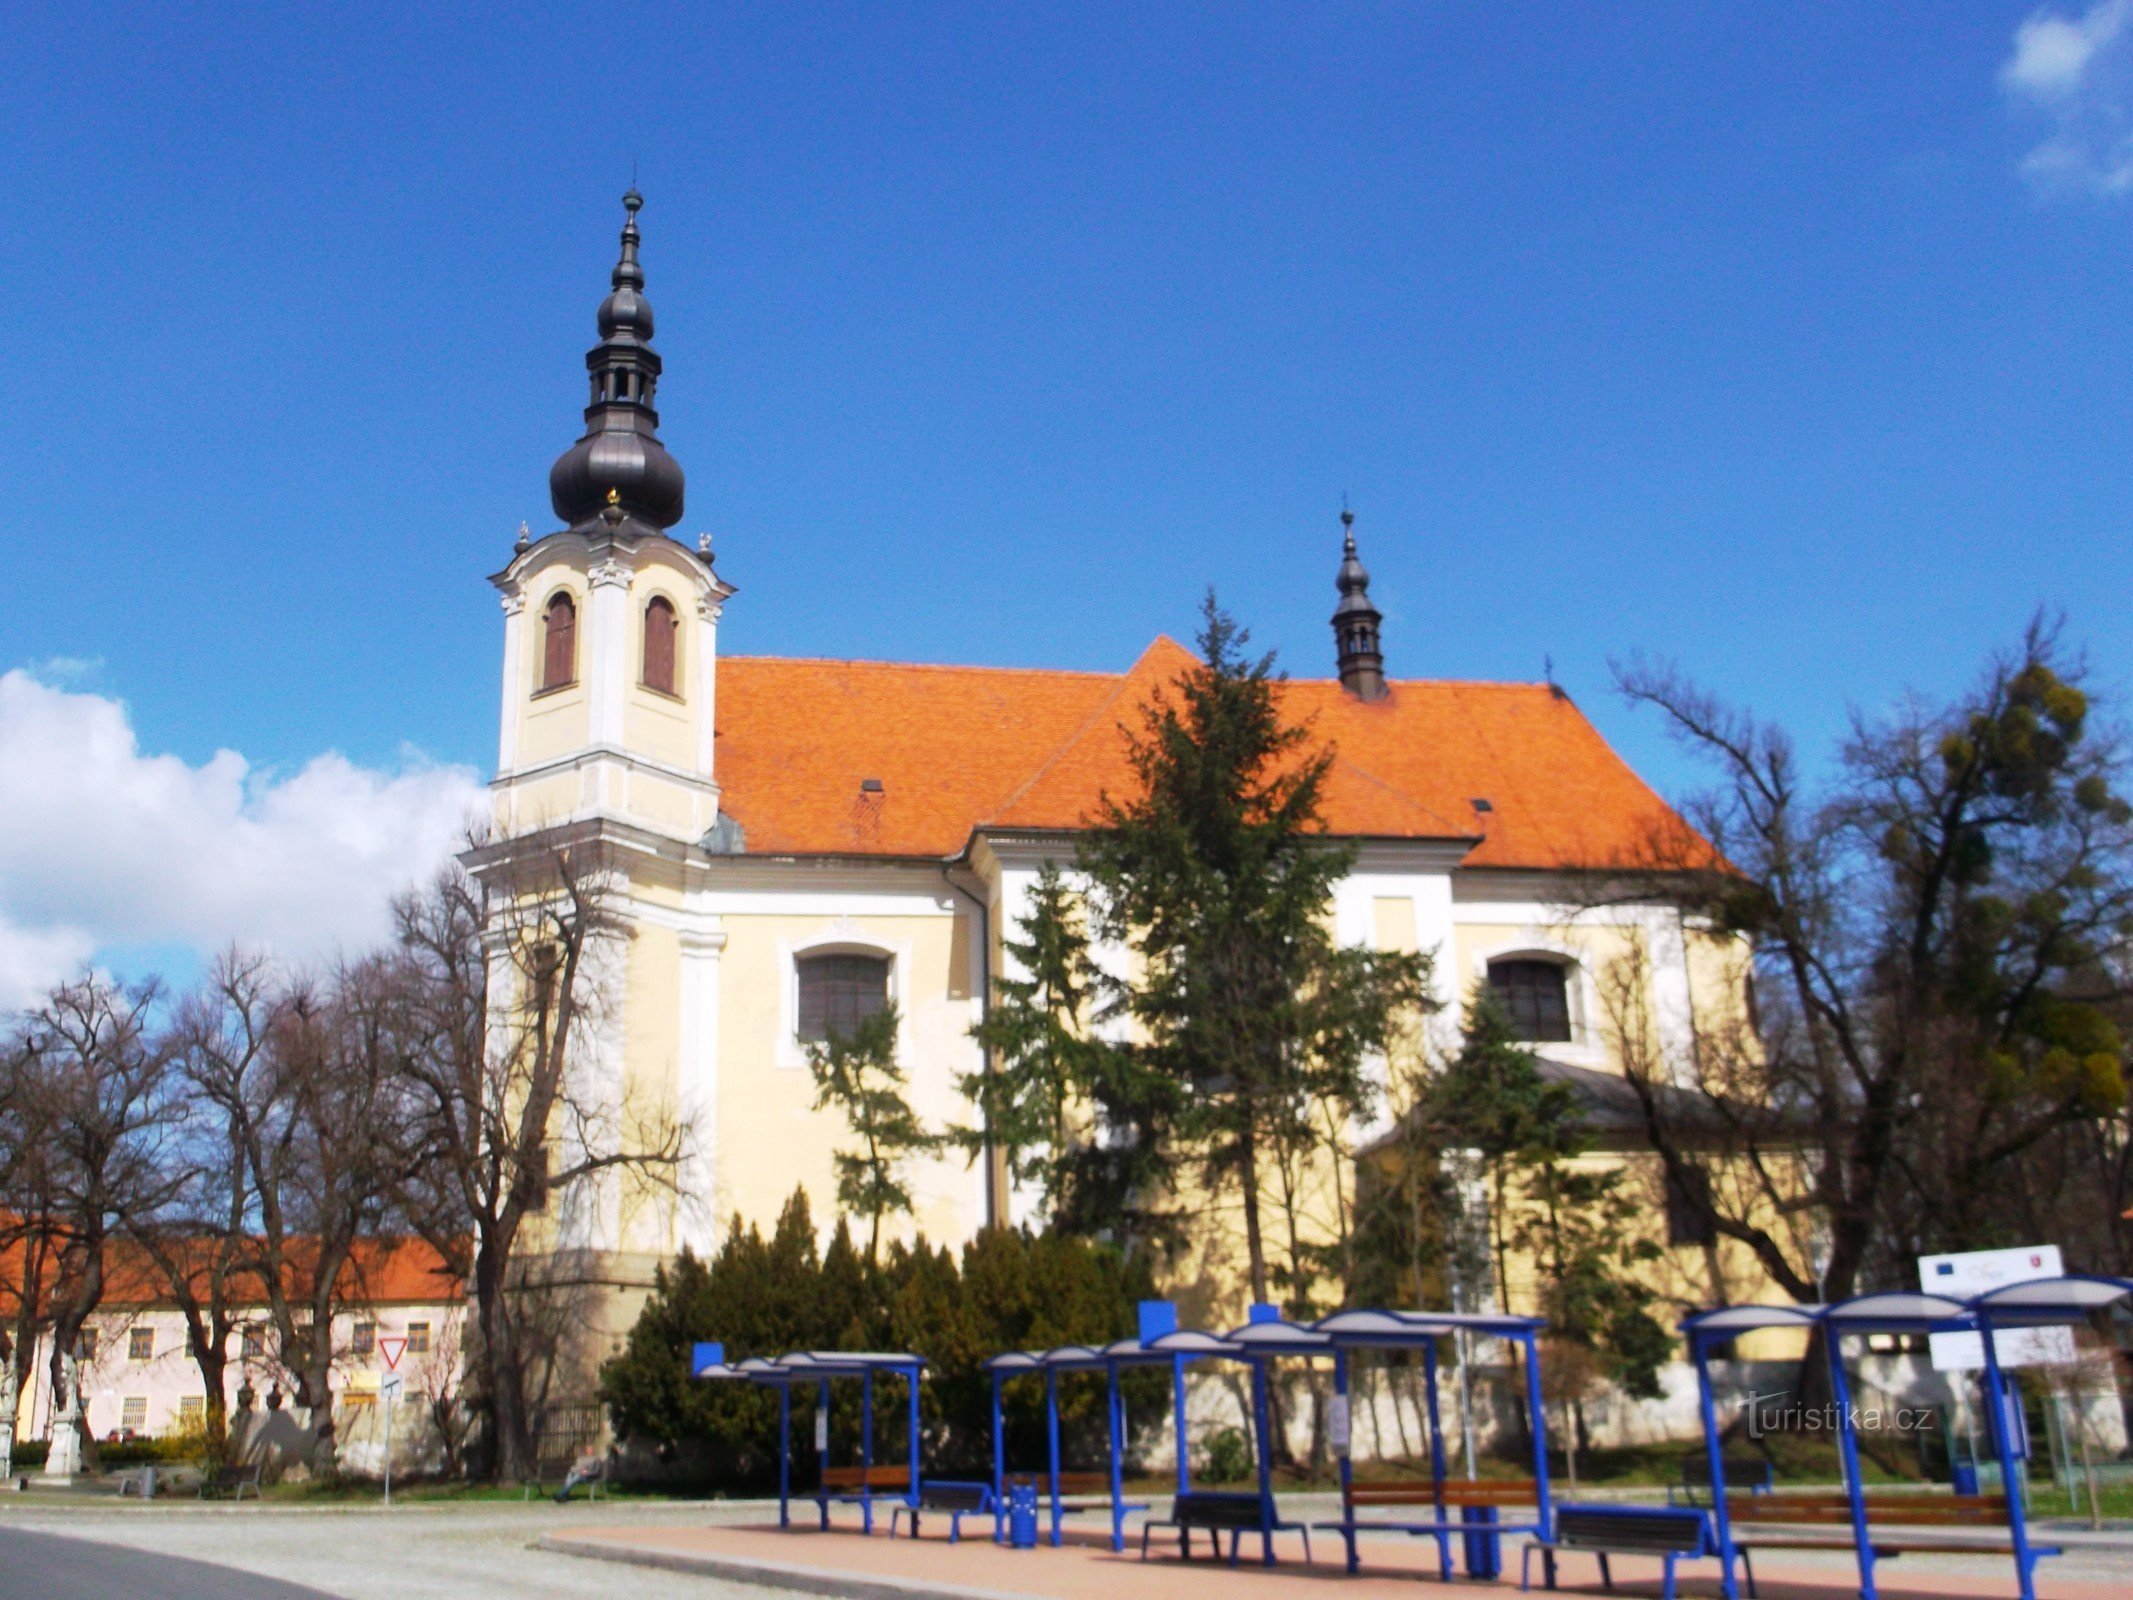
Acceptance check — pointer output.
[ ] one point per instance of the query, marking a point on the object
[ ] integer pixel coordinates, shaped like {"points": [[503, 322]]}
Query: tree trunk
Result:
{"points": [[511, 1441], [214, 1367]]}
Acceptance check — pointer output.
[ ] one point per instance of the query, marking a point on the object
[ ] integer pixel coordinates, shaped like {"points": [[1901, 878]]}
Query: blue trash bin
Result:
{"points": [[1484, 1547], [1022, 1515]]}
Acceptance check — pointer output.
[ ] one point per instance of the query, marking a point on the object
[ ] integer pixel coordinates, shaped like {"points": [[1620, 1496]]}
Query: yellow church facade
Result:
{"points": [[800, 842]]}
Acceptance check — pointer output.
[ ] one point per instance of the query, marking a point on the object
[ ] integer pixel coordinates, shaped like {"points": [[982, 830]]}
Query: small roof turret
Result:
{"points": [[1355, 622]]}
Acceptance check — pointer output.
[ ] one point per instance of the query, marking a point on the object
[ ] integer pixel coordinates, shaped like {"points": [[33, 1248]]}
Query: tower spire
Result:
{"points": [[1355, 622], [619, 462]]}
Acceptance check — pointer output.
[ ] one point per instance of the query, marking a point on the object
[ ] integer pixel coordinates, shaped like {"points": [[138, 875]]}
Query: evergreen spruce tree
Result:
{"points": [[1219, 874], [857, 1073]]}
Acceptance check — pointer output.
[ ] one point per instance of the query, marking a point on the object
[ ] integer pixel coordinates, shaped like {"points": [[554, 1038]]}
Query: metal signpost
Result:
{"points": [[391, 1347]]}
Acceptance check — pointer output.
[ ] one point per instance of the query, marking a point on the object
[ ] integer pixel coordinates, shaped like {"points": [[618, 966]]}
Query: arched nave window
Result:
{"points": [[840, 991], [1535, 995]]}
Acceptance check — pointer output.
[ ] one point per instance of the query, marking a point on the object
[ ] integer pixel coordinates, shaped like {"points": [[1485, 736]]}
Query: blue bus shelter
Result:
{"points": [[1343, 1335], [819, 1368], [2048, 1302], [1177, 1349]]}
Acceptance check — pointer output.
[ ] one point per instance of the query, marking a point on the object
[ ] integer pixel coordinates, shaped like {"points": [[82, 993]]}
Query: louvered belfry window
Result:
{"points": [[839, 992], [660, 625], [559, 656], [1536, 997]]}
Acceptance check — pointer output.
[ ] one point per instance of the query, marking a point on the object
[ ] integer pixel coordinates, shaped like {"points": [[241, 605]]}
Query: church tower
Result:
{"points": [[610, 626]]}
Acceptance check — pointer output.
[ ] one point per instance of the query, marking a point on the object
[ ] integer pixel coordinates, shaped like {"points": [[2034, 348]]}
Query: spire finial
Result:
{"points": [[525, 538], [618, 474]]}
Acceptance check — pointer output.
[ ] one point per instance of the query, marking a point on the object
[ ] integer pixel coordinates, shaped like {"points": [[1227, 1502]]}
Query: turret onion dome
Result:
{"points": [[620, 462]]}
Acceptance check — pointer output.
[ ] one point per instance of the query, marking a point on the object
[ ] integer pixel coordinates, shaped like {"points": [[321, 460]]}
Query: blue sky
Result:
{"points": [[1796, 345]]}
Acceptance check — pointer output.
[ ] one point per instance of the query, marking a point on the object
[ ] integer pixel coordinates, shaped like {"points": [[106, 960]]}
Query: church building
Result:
{"points": [[805, 842]]}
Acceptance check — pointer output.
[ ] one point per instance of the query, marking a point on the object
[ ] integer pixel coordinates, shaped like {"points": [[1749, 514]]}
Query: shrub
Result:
{"points": [[1009, 1291]]}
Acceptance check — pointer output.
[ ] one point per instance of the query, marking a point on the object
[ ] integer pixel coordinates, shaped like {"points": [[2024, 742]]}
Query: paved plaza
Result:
{"points": [[734, 1551]]}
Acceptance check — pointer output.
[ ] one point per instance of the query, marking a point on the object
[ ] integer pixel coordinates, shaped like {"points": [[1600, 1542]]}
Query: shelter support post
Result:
{"points": [[822, 1433], [1116, 1408], [1177, 1406], [1436, 1445], [784, 1455], [1714, 1458], [999, 1467], [866, 1450], [911, 1483], [1840, 1391], [1544, 1511], [2003, 1427], [1051, 1437], [1262, 1425]]}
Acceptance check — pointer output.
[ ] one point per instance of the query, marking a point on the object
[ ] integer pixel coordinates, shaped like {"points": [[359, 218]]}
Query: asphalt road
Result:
{"points": [[122, 1550], [46, 1566]]}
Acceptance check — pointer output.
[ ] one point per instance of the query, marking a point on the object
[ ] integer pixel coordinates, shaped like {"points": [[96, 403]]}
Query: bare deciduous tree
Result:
{"points": [[91, 1076], [523, 1127], [1934, 935]]}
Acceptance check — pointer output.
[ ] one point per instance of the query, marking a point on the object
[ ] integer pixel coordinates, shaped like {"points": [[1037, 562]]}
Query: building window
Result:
{"points": [[85, 1345], [418, 1338], [255, 1341], [192, 1410], [365, 1339], [839, 992], [1688, 1208], [661, 627], [141, 1344], [1535, 995], [559, 645], [133, 1413]]}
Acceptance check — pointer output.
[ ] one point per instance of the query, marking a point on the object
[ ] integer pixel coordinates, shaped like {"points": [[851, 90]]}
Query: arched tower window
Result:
{"points": [[660, 628], [1535, 994], [559, 647]]}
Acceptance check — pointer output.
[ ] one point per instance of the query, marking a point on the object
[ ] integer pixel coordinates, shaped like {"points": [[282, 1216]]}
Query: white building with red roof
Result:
{"points": [[806, 841]]}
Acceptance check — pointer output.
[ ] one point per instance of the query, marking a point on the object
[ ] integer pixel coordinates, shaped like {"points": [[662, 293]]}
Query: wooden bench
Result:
{"points": [[1219, 1511], [1752, 1473], [1465, 1495], [1670, 1533], [1768, 1521], [231, 1481], [955, 1498]]}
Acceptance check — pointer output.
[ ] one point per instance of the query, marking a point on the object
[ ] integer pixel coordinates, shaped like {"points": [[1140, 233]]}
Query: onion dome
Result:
{"points": [[1355, 622], [619, 467]]}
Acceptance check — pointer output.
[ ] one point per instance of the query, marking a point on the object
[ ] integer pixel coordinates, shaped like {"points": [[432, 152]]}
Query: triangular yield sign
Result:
{"points": [[391, 1346]]}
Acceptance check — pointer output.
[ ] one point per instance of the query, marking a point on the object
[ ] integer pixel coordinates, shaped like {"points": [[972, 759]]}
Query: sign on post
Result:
{"points": [[390, 1387], [1970, 1272], [392, 1346]]}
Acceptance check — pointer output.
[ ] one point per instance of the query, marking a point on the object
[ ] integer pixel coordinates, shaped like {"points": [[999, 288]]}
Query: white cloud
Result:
{"points": [[102, 845], [2077, 73]]}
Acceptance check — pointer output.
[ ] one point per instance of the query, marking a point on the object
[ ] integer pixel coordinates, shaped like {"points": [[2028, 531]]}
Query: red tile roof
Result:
{"points": [[960, 749], [379, 1272]]}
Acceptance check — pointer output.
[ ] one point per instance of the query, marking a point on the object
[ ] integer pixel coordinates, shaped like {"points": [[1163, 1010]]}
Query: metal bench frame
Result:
{"points": [[1584, 1529], [956, 1498], [1256, 1516]]}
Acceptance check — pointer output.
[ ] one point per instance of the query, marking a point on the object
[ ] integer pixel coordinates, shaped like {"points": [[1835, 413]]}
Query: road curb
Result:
{"points": [[769, 1574]]}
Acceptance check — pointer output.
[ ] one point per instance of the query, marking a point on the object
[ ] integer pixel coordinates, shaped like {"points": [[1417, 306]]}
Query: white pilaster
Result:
{"points": [[514, 695], [707, 614], [607, 650], [1672, 1019], [696, 1086]]}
